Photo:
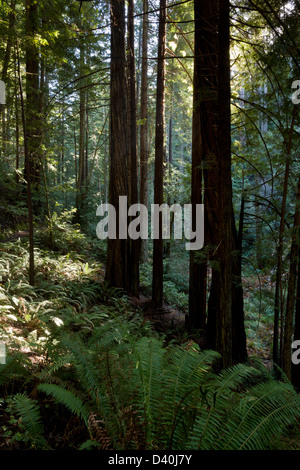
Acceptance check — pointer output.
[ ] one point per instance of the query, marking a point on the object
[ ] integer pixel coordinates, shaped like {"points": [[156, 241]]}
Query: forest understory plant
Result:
{"points": [[148, 396], [84, 347]]}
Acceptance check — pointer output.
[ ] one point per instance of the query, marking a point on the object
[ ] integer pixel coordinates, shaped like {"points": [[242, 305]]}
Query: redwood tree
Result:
{"points": [[32, 92], [117, 250], [198, 266], [212, 166], [133, 265], [144, 127], [157, 281]]}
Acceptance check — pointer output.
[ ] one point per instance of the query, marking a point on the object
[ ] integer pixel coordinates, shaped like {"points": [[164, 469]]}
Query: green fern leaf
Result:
{"points": [[66, 398], [28, 410]]}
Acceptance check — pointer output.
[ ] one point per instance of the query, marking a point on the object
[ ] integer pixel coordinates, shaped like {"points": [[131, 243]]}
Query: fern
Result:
{"points": [[251, 419], [94, 387], [67, 398], [263, 415], [28, 410], [158, 397]]}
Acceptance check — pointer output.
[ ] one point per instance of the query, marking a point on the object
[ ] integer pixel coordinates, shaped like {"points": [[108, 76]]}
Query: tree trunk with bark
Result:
{"points": [[31, 273], [144, 127], [133, 265], [291, 295], [32, 95], [117, 249], [196, 319], [212, 165], [278, 302], [157, 280], [296, 367]]}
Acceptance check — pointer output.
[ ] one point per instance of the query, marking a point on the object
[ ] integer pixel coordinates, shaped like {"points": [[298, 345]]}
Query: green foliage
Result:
{"points": [[174, 283], [67, 398], [30, 420], [129, 387], [173, 396]]}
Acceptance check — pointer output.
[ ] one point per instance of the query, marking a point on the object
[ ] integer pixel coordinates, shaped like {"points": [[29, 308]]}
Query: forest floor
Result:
{"points": [[170, 318], [67, 283]]}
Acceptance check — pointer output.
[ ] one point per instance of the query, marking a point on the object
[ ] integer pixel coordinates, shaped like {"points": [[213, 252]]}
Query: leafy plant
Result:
{"points": [[153, 397], [29, 419]]}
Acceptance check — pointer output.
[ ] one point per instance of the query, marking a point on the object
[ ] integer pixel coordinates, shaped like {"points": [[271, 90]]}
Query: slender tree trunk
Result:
{"points": [[7, 55], [290, 304], [32, 94], [133, 265], [86, 161], [296, 367], [75, 161], [17, 139], [28, 181], [157, 281], [278, 304], [82, 123], [105, 168], [258, 228], [10, 38], [81, 147], [17, 116], [170, 157], [144, 127], [239, 340], [62, 152]]}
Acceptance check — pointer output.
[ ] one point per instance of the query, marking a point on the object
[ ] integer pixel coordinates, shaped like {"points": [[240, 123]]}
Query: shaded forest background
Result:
{"points": [[141, 344]]}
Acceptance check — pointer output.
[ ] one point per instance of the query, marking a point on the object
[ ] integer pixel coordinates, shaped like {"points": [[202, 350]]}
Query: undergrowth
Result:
{"points": [[84, 370]]}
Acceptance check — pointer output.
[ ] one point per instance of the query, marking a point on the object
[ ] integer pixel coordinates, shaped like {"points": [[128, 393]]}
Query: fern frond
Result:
{"points": [[66, 398], [147, 381], [263, 415], [28, 410]]}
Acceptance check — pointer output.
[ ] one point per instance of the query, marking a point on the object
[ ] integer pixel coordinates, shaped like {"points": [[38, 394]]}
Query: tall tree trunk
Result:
{"points": [[75, 161], [144, 127], [7, 55], [133, 265], [290, 304], [225, 327], [32, 94], [278, 303], [62, 151], [239, 340], [196, 319], [258, 227], [117, 249], [157, 280], [105, 176], [296, 367], [86, 150], [17, 95], [224, 313], [10, 38], [170, 160], [28, 181], [82, 135]]}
